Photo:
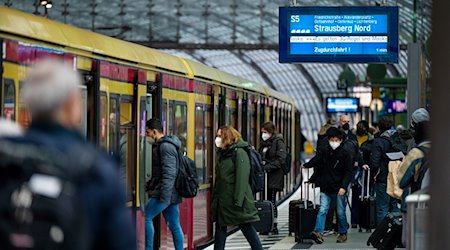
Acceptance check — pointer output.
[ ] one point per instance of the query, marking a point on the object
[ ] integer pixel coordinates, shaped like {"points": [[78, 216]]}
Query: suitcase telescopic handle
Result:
{"points": [[365, 184]]}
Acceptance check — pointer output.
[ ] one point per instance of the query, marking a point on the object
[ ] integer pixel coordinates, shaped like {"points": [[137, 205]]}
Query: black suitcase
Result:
{"points": [[265, 212], [388, 234], [266, 216], [294, 209], [367, 207], [307, 215]]}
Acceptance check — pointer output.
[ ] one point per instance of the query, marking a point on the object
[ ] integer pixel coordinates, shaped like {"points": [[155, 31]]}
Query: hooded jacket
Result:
{"points": [[274, 158], [378, 158], [165, 170], [232, 198]]}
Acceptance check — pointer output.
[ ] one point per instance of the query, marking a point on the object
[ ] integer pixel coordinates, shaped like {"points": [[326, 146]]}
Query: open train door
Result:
{"points": [[153, 109]]}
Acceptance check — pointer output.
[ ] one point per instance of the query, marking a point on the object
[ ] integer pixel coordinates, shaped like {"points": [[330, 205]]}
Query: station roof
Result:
{"points": [[230, 22]]}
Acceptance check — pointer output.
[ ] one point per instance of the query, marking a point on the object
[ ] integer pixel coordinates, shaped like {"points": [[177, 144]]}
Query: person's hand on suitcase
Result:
{"points": [[365, 167], [341, 192]]}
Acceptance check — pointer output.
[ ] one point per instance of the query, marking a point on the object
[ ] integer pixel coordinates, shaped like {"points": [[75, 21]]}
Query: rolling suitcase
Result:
{"points": [[307, 214], [294, 207], [367, 208], [265, 212], [388, 234]]}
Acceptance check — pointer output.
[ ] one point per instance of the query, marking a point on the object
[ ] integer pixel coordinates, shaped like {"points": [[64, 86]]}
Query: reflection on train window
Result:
{"points": [[231, 117], [209, 142], [180, 124], [9, 99], [23, 116], [103, 119], [113, 125]]}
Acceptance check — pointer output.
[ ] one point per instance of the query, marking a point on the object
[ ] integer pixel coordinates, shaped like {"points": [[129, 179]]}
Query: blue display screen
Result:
{"points": [[342, 104], [338, 34]]}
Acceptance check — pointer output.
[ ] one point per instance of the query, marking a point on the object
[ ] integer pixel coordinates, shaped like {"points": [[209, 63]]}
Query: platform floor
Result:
{"points": [[356, 240]]}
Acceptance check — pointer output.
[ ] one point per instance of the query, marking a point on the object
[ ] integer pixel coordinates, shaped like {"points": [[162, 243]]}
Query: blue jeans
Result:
{"points": [[385, 203], [341, 203], [171, 215]]}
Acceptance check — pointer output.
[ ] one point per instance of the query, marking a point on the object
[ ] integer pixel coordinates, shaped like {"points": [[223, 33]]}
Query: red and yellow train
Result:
{"points": [[124, 85]]}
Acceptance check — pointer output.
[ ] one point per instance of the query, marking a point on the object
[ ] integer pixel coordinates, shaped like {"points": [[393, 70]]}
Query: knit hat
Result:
{"points": [[420, 115]]}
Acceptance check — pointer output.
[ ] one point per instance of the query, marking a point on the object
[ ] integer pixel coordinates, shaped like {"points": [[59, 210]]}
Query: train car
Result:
{"points": [[126, 84]]}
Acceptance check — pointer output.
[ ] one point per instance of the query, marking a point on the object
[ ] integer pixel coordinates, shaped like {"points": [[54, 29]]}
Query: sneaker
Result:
{"points": [[341, 238], [328, 232], [317, 237]]}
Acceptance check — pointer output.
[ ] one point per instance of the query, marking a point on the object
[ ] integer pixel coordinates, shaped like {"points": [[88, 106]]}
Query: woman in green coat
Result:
{"points": [[232, 198]]}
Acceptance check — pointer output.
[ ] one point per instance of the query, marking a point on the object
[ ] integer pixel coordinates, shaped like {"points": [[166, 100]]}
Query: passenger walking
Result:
{"points": [[273, 152], [232, 198], [379, 166], [101, 221], [333, 175], [344, 124], [412, 165], [164, 198]]}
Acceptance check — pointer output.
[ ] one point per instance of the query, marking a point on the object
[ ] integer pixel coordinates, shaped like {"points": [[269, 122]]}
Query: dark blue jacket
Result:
{"points": [[102, 194]]}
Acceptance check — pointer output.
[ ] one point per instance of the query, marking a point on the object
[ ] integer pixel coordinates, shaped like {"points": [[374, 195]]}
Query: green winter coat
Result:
{"points": [[232, 197]]}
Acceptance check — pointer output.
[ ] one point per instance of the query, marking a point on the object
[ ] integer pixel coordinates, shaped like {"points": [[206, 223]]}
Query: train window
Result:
{"points": [[200, 141], [170, 118], [180, 123], [23, 116], [103, 119], [113, 124], [164, 115], [127, 144], [9, 99], [253, 133], [209, 141], [84, 112], [203, 138]]}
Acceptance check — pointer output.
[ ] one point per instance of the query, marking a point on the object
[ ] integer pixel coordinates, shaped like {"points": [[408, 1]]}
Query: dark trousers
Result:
{"points": [[247, 229], [272, 197]]}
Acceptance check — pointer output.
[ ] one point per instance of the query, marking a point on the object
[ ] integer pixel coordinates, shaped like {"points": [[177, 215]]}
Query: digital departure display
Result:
{"points": [[338, 34], [342, 104]]}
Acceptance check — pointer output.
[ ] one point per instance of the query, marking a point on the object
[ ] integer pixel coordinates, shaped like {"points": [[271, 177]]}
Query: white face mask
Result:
{"points": [[218, 142], [265, 136], [334, 144]]}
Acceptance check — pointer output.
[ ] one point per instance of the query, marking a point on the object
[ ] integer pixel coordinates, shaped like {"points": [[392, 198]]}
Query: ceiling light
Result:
{"points": [[49, 5], [44, 2]]}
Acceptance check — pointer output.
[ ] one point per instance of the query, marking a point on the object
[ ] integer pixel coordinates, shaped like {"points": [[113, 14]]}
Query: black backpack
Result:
{"points": [[186, 183], [256, 178], [40, 207]]}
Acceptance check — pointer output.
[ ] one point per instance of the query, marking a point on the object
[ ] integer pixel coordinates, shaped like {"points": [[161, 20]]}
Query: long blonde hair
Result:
{"points": [[229, 136]]}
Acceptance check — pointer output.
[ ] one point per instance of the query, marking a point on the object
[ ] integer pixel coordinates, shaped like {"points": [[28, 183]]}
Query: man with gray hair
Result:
{"points": [[52, 94]]}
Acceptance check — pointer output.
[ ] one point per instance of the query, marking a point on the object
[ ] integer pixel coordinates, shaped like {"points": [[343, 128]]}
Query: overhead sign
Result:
{"points": [[338, 34], [342, 104]]}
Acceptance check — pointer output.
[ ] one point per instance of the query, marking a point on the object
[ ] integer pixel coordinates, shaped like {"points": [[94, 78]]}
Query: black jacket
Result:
{"points": [[332, 169], [378, 158], [165, 169], [274, 158]]}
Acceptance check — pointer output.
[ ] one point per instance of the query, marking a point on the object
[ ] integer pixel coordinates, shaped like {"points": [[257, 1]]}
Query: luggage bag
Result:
{"points": [[307, 214], [265, 212], [388, 234], [367, 212]]}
